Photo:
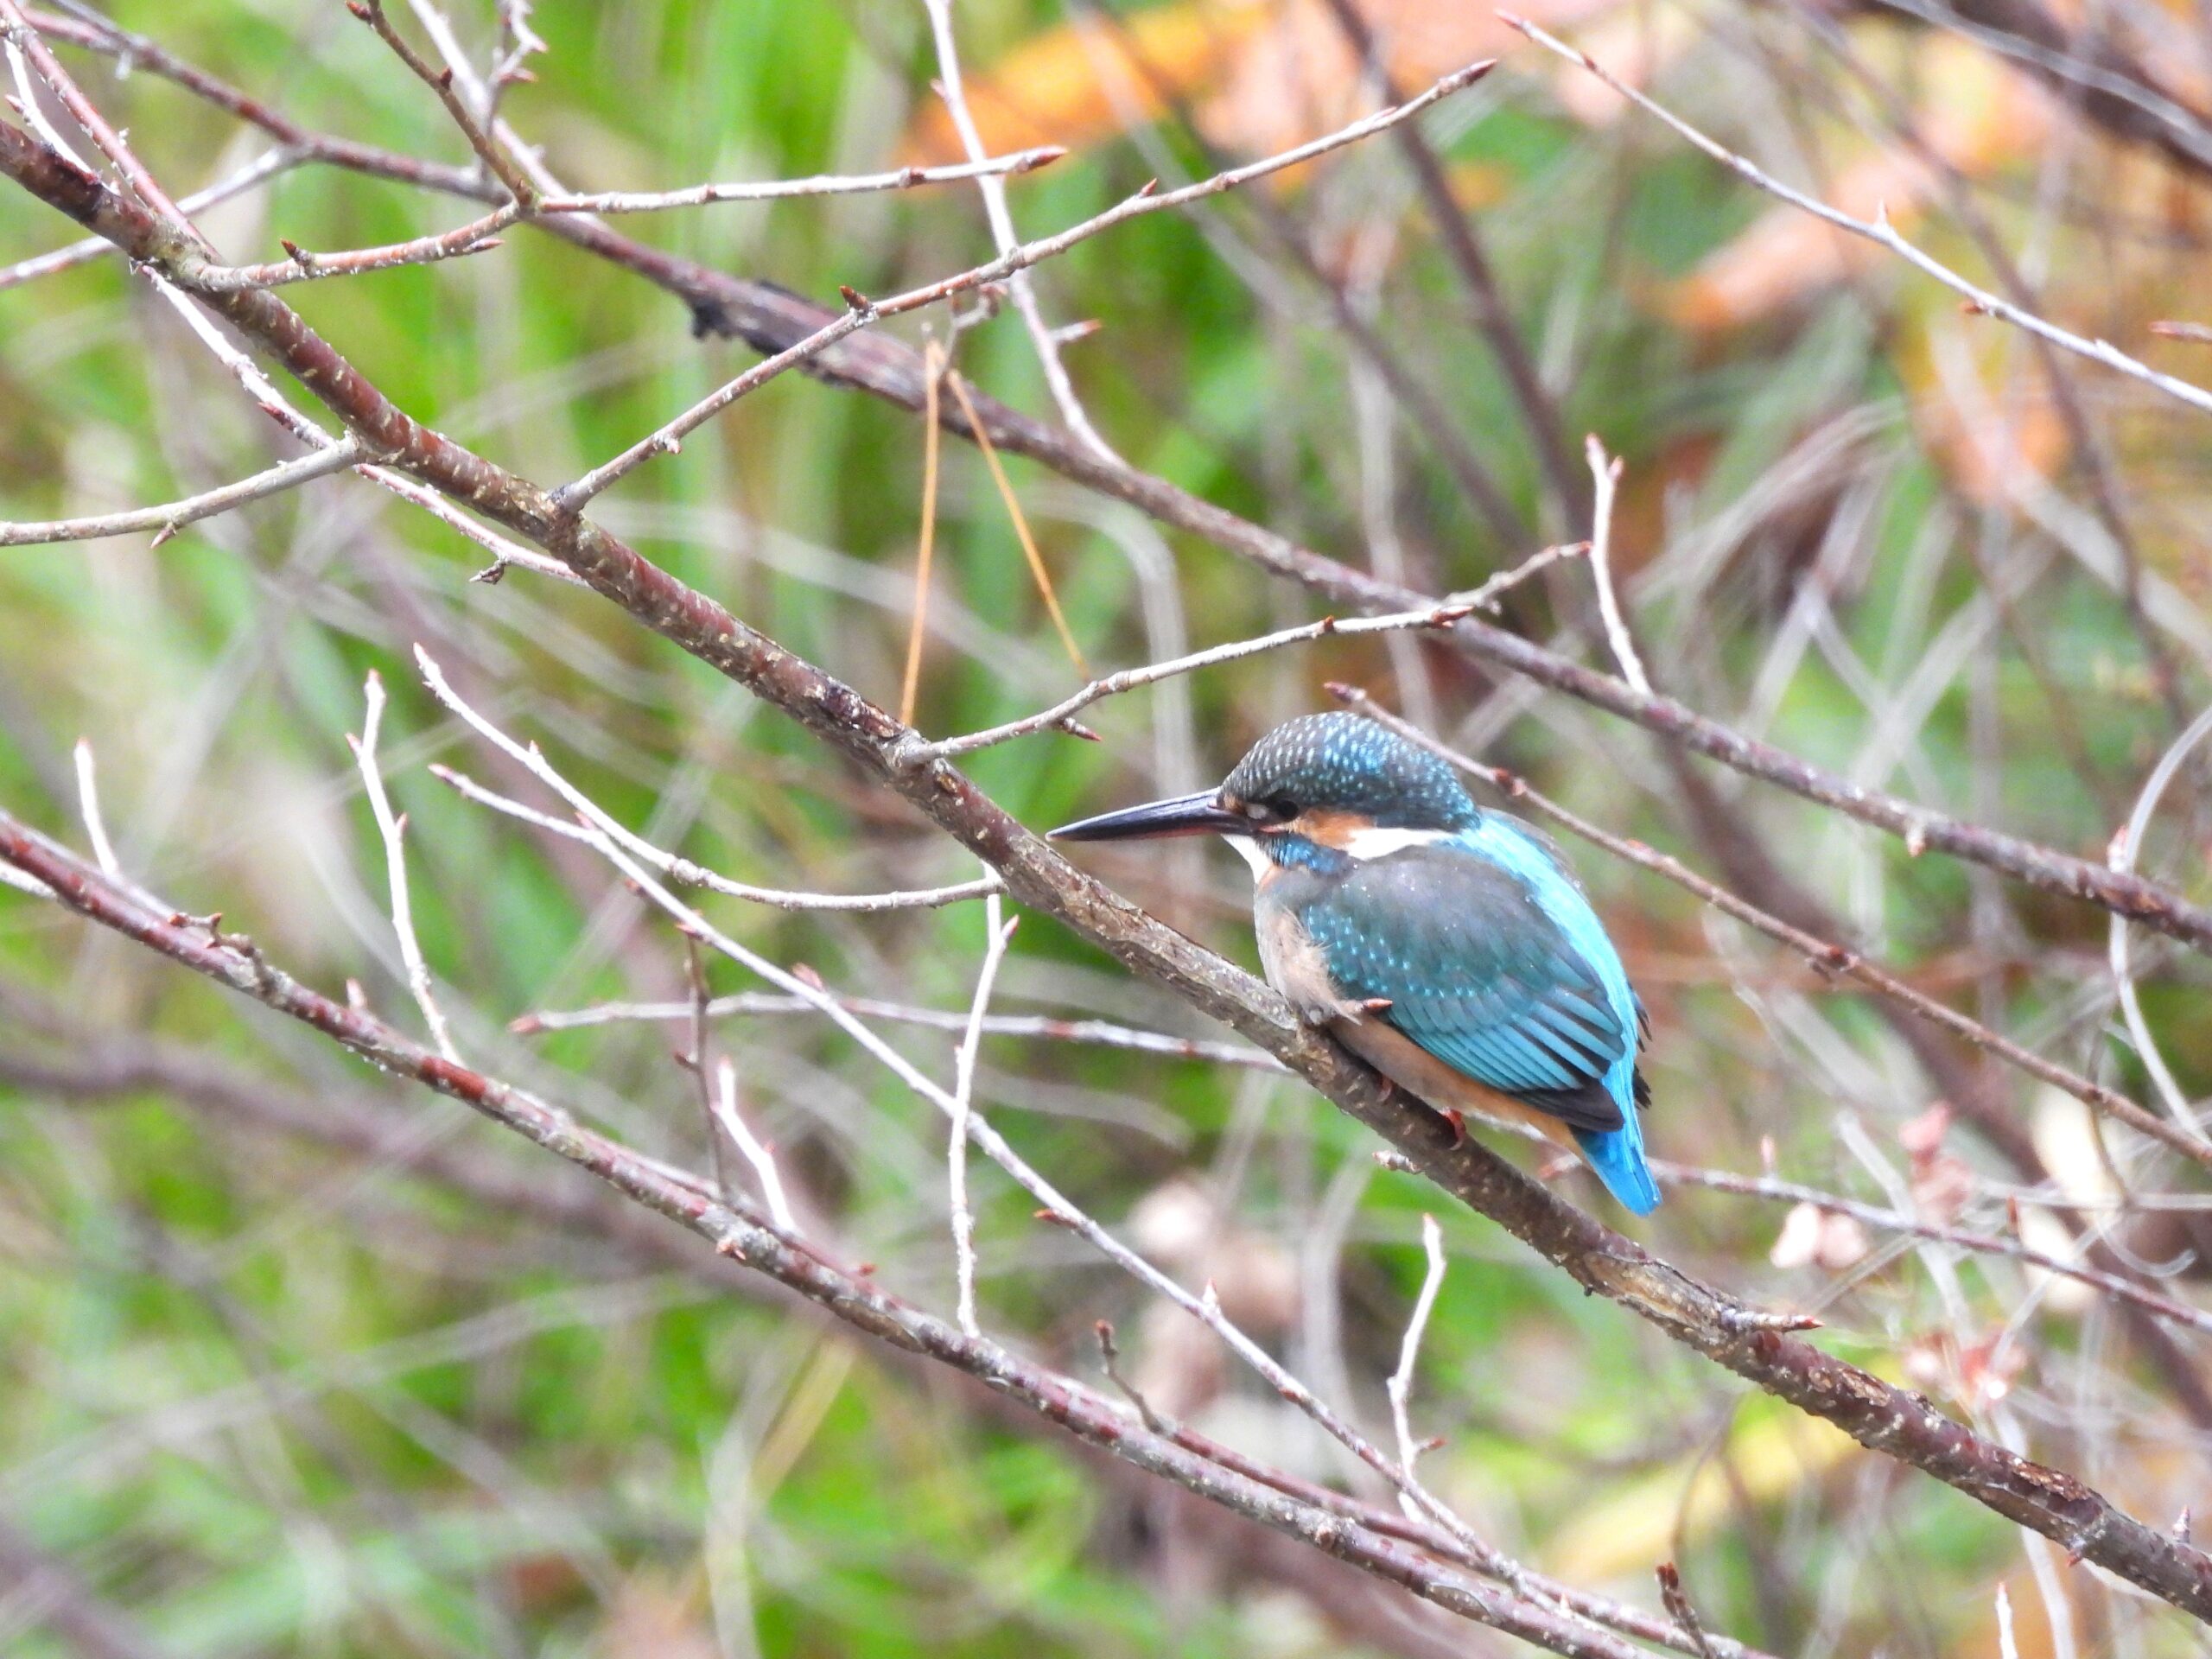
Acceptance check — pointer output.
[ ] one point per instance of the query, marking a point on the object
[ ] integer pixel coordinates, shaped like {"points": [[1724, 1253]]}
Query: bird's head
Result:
{"points": [[1326, 784]]}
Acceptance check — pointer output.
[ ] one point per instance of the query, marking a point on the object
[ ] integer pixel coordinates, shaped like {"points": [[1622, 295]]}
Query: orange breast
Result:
{"points": [[1407, 1064]]}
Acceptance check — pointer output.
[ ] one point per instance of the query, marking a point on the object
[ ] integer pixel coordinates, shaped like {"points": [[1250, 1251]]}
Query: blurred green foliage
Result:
{"points": [[272, 1396]]}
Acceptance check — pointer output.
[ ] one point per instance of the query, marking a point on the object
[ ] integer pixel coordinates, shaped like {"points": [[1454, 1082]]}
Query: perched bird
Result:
{"points": [[1448, 946]]}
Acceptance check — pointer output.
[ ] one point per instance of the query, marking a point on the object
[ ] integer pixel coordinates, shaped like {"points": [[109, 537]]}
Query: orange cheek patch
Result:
{"points": [[1333, 830]]}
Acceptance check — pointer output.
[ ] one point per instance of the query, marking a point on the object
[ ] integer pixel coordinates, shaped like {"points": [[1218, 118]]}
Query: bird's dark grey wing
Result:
{"points": [[1477, 975]]}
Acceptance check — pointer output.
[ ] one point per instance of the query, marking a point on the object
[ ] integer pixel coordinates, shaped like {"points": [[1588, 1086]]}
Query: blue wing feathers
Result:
{"points": [[1493, 960]]}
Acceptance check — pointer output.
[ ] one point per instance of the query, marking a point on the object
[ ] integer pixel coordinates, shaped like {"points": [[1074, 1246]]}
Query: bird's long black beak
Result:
{"points": [[1186, 815]]}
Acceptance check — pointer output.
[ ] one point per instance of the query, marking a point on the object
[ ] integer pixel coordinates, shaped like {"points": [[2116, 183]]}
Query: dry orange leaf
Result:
{"points": [[1082, 82], [1259, 75]]}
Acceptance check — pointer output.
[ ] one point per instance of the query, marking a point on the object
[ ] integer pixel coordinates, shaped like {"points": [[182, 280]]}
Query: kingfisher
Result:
{"points": [[1448, 945]]}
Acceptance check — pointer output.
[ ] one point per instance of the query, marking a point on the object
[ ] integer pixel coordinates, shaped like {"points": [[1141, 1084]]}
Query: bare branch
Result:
{"points": [[1605, 475], [860, 311], [2125, 847], [1100, 1032], [167, 520], [393, 830], [1748, 1342], [992, 189], [1879, 231], [755, 1244], [827, 184], [1058, 716], [683, 871], [1401, 1386], [997, 933], [264, 167], [495, 159], [93, 1064], [88, 799], [1823, 954], [25, 49], [771, 320], [755, 1151]]}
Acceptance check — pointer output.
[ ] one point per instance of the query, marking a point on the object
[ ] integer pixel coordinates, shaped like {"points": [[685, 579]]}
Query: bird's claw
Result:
{"points": [[1323, 1015]]}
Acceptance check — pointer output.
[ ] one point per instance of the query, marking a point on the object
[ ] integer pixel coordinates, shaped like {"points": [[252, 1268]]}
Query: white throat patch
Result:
{"points": [[1364, 844], [1248, 850]]}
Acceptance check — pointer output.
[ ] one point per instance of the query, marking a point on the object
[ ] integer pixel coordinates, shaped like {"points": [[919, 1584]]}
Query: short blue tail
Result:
{"points": [[1617, 1156]]}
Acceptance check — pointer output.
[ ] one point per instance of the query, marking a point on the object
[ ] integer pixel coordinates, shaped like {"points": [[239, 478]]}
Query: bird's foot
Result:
{"points": [[1458, 1119], [1325, 1013]]}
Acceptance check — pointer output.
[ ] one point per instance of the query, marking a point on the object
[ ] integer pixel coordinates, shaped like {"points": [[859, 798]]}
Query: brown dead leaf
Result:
{"points": [[1259, 75], [1079, 83]]}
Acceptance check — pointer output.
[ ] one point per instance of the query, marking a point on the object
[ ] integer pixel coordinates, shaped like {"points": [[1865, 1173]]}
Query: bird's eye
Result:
{"points": [[1276, 809]]}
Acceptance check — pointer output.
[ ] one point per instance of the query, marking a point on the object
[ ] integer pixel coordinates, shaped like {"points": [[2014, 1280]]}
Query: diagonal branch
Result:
{"points": [[1754, 1346], [1824, 954], [1881, 231], [107, 1063], [771, 320], [752, 1242]]}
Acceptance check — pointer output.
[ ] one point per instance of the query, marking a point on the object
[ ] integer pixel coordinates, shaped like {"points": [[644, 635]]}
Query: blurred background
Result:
{"points": [[296, 1360]]}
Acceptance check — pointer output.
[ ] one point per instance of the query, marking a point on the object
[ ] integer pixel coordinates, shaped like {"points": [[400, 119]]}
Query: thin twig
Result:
{"points": [[1782, 1192], [684, 873], [992, 190], [861, 312], [1676, 1601], [88, 804], [1058, 716], [694, 973], [167, 520], [756, 1151], [997, 933], [827, 184], [1879, 231], [393, 830], [1605, 475], [501, 166], [478, 235], [2125, 847], [1109, 1361], [1097, 1032], [1401, 1386]]}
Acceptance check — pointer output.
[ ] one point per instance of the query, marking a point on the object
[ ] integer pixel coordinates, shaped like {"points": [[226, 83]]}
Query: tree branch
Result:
{"points": [[1883, 1418]]}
